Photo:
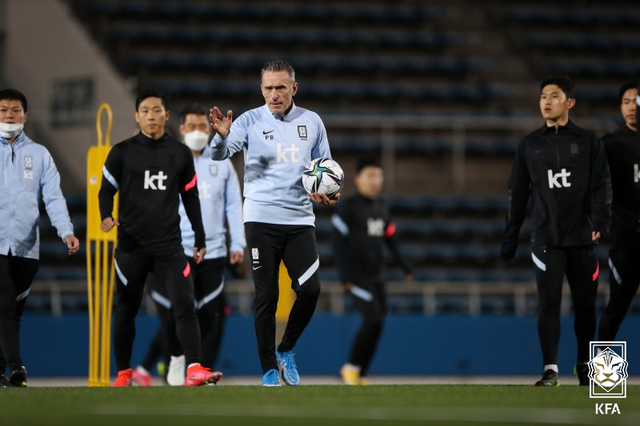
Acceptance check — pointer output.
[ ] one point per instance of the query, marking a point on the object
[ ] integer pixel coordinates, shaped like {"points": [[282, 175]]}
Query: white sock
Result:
{"points": [[352, 367], [553, 367], [143, 370], [194, 364]]}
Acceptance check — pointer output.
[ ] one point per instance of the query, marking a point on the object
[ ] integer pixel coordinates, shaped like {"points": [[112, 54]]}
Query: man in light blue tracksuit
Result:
{"points": [[27, 174], [220, 202], [278, 139]]}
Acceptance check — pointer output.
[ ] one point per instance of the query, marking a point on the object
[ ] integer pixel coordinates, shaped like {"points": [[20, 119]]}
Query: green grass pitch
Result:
{"points": [[314, 405]]}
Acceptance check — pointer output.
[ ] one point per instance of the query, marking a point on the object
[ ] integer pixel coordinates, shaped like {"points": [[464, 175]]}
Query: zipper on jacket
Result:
{"points": [[13, 155]]}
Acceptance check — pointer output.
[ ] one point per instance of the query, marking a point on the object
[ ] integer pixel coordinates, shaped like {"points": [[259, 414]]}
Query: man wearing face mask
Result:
{"points": [[27, 174], [220, 201]]}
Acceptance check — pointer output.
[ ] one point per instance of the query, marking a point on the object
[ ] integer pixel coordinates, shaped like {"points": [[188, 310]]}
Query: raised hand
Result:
{"points": [[220, 123]]}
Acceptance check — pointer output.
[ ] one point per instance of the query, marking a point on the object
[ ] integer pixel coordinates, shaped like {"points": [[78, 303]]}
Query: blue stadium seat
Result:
{"points": [[176, 9], [546, 15]]}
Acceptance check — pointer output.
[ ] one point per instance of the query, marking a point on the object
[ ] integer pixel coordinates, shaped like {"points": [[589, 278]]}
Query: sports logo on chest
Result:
{"points": [[155, 182], [375, 227], [302, 132], [28, 167], [636, 173], [287, 155]]}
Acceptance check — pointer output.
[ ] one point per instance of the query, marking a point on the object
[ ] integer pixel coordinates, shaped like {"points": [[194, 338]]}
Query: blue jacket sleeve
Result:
{"points": [[233, 210], [321, 147], [54, 201]]}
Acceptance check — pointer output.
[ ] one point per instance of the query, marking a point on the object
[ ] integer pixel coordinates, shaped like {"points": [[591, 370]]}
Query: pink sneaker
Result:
{"points": [[123, 379], [141, 377], [197, 375]]}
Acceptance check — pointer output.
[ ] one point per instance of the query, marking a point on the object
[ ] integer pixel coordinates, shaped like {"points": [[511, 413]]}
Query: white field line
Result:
{"points": [[452, 414]]}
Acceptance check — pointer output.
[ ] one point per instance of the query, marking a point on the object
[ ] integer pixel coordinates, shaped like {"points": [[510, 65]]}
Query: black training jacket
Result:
{"points": [[151, 175], [623, 154], [362, 227], [564, 170]]}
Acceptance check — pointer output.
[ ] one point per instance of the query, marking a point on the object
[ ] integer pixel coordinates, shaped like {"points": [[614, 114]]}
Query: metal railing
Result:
{"points": [[428, 295]]}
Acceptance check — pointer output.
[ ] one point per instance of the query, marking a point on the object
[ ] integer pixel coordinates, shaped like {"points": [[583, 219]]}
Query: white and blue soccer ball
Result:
{"points": [[324, 176]]}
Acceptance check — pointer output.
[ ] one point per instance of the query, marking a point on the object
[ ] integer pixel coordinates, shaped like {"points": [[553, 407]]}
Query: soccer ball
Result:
{"points": [[324, 176]]}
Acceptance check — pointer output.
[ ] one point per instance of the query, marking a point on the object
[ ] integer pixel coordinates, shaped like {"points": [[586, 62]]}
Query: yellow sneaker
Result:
{"points": [[350, 374]]}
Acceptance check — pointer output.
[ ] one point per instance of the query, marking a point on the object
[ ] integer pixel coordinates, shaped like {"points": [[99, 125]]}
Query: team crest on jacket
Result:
{"points": [[213, 169], [28, 162], [302, 132]]}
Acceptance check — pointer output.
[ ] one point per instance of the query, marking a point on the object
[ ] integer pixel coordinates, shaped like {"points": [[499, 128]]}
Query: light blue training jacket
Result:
{"points": [[220, 199], [276, 152], [28, 174]]}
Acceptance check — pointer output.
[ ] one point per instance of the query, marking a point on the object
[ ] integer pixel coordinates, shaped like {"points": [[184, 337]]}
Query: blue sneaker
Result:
{"points": [[271, 378], [287, 364]]}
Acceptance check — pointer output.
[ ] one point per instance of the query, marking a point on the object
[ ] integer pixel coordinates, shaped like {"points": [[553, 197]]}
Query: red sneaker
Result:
{"points": [[123, 379], [197, 375], [141, 377]]}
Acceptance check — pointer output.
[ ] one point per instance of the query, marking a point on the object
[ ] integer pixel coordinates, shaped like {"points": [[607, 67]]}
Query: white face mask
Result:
{"points": [[196, 140], [10, 130]]}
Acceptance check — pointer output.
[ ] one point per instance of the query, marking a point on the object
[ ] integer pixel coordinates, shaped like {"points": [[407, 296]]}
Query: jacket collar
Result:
{"points": [[289, 113], [19, 141], [147, 141], [565, 128]]}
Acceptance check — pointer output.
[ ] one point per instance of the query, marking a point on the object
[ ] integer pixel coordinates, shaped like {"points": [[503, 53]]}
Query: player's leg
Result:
{"points": [[624, 279], [209, 286], [582, 275], [176, 271], [170, 346], [549, 264], [131, 272], [266, 243], [302, 262], [376, 321], [4, 382], [172, 267], [21, 272], [220, 306], [363, 296], [141, 375]]}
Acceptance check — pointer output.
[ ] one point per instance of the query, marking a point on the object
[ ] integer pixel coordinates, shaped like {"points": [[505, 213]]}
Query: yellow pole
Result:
{"points": [[100, 271], [285, 301]]}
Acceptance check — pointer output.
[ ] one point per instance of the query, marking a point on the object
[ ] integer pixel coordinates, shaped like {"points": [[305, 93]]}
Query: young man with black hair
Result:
{"points": [[27, 176], [362, 227], [563, 169], [152, 172], [623, 154], [221, 204]]}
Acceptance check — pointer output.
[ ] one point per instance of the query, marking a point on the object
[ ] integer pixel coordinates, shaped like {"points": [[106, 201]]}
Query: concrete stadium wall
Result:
{"points": [[410, 345], [45, 44]]}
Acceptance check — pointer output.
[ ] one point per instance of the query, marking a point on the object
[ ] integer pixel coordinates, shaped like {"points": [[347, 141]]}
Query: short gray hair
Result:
{"points": [[275, 66]]}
